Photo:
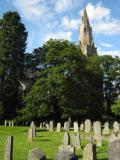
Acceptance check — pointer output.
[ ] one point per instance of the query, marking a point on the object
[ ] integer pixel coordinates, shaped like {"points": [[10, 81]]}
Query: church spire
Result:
{"points": [[85, 36]]}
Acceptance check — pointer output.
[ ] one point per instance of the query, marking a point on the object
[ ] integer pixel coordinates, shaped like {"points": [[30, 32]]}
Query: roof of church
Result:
{"points": [[85, 17]]}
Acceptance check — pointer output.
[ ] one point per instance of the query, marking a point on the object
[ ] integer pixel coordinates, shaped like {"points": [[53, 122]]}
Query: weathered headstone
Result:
{"points": [[89, 152], [81, 127], [36, 154], [106, 130], [41, 126], [47, 126], [64, 155], [8, 148], [66, 139], [75, 139], [67, 148], [30, 135], [75, 124], [112, 137], [12, 123], [115, 127], [88, 126], [97, 133], [32, 125], [114, 150], [67, 126], [9, 124], [58, 127], [51, 126]]}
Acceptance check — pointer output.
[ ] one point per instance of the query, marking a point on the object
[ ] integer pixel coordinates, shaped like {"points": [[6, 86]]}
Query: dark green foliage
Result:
{"points": [[12, 47], [111, 80], [116, 108], [69, 84]]}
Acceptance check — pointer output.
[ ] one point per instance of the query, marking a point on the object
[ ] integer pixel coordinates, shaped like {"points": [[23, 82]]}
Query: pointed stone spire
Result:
{"points": [[85, 40]]}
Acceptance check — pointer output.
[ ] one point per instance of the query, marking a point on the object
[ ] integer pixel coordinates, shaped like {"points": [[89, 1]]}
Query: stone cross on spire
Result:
{"points": [[85, 40]]}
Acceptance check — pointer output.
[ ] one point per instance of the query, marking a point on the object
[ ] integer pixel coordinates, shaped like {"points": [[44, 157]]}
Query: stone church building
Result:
{"points": [[85, 40]]}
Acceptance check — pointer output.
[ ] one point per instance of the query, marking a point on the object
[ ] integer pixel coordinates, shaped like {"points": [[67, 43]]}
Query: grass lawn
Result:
{"points": [[48, 142]]}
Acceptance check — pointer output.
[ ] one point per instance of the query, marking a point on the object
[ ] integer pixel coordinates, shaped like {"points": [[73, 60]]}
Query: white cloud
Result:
{"points": [[32, 9], [66, 5], [59, 35], [102, 20], [70, 24], [107, 45], [113, 53]]}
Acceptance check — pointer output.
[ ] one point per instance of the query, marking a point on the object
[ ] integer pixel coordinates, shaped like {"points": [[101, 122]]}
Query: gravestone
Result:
{"points": [[12, 123], [115, 127], [75, 124], [67, 148], [66, 139], [75, 140], [30, 135], [89, 152], [67, 126], [88, 126], [41, 126], [106, 130], [47, 126], [9, 124], [8, 148], [97, 133], [36, 154], [65, 155], [58, 127], [51, 126], [112, 137], [81, 127], [33, 127], [114, 150]]}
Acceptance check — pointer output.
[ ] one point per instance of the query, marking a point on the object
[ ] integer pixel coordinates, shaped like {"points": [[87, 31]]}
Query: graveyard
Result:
{"points": [[59, 80], [52, 140]]}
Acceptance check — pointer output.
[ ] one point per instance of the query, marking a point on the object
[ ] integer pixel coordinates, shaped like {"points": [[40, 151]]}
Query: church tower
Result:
{"points": [[85, 40]]}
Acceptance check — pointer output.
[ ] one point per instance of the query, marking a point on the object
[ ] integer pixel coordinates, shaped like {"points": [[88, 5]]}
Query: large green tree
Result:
{"points": [[111, 80], [13, 37], [67, 85]]}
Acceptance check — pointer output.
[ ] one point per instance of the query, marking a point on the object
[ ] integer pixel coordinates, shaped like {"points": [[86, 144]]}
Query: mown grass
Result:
{"points": [[48, 142]]}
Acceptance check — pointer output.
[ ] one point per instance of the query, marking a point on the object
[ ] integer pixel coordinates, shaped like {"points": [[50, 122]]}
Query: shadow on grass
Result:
{"points": [[41, 130], [42, 140]]}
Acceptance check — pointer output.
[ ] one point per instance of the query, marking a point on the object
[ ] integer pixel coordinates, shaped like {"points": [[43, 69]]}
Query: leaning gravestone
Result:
{"points": [[97, 133], [51, 126], [66, 139], [36, 154], [58, 127], [88, 126], [106, 130], [64, 155], [33, 127], [114, 150], [75, 124], [89, 152], [8, 148], [115, 127]]}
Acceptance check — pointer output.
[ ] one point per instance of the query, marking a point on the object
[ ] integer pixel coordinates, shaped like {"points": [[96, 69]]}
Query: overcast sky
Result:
{"points": [[46, 19]]}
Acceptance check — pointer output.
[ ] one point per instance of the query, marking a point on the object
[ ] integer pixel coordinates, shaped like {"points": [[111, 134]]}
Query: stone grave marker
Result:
{"points": [[89, 152], [51, 126], [114, 150], [8, 153], [106, 130], [75, 124], [30, 135], [115, 127], [66, 139], [65, 155], [58, 127], [36, 154], [97, 133], [88, 126]]}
